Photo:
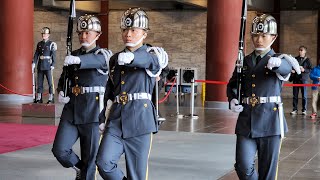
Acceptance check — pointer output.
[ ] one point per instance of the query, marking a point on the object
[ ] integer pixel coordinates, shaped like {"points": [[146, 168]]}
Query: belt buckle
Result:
{"points": [[76, 90], [253, 101], [123, 98]]}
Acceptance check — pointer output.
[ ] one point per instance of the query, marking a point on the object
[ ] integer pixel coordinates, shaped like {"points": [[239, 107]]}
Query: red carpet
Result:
{"points": [[19, 136]]}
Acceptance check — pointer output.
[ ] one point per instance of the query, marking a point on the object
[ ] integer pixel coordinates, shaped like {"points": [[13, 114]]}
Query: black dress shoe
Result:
{"points": [[50, 102], [39, 101]]}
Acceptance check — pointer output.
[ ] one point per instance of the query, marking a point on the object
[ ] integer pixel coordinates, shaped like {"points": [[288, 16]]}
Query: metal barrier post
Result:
{"points": [[157, 98], [192, 115], [177, 94]]}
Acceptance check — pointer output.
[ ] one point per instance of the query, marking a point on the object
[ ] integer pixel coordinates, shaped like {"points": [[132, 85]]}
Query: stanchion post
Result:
{"points": [[157, 97], [177, 93], [192, 98], [192, 101], [203, 93]]}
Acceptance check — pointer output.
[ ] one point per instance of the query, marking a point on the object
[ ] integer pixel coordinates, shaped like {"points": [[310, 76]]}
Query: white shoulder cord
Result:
{"points": [[291, 60], [53, 46], [107, 54], [162, 59]]}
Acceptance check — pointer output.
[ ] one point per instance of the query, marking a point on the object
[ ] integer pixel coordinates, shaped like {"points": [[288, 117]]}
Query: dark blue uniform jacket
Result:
{"points": [[136, 117], [47, 49], [84, 108], [260, 120]]}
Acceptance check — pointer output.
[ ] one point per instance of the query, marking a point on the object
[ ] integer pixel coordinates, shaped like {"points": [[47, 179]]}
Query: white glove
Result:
{"points": [[292, 61], [52, 67], [71, 60], [235, 106], [273, 62], [102, 127], [161, 55], [32, 67], [125, 58], [62, 99]]}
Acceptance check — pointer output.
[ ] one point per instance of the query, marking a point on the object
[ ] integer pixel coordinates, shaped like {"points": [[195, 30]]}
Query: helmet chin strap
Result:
{"points": [[86, 45], [135, 44], [265, 48]]}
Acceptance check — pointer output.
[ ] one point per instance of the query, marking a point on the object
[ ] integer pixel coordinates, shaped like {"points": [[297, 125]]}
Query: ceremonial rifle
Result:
{"points": [[72, 16], [239, 62]]}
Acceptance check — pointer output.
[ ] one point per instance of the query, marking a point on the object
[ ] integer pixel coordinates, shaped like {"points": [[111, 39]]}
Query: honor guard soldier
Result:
{"points": [[261, 123], [132, 118], [87, 70], [44, 58]]}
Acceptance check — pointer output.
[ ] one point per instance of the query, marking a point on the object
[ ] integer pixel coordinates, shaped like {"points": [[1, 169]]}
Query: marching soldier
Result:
{"points": [[44, 57], [261, 123], [87, 70], [132, 119]]}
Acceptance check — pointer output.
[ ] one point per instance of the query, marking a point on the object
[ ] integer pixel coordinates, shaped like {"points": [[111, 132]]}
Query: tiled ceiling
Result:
{"points": [[258, 5]]}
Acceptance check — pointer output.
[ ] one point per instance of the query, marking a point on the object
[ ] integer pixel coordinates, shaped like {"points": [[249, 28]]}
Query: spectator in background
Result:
{"points": [[315, 77], [305, 66]]}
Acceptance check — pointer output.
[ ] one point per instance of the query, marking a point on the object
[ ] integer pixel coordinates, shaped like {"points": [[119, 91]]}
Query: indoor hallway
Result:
{"points": [[183, 149]]}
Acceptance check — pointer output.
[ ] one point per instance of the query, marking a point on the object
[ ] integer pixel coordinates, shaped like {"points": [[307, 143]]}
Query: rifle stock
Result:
{"points": [[239, 62]]}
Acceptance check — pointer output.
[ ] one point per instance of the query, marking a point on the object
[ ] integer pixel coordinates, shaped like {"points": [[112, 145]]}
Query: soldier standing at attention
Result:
{"points": [[261, 123], [132, 119], [44, 57], [87, 70]]}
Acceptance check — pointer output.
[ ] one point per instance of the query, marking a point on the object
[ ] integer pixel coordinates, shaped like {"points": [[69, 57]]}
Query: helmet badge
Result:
{"points": [[83, 25], [128, 22], [260, 27]]}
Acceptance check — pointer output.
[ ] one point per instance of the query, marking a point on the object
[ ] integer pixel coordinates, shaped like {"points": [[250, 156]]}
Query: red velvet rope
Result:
{"points": [[167, 95], [287, 85], [9, 90]]}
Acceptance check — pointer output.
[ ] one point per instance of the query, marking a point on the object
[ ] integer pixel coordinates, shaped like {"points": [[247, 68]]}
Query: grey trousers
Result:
{"points": [[136, 150], [67, 135], [268, 149]]}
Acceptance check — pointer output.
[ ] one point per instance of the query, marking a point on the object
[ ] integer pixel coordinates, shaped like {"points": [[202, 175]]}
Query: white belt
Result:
{"points": [[259, 100], [45, 57], [124, 98], [81, 90]]}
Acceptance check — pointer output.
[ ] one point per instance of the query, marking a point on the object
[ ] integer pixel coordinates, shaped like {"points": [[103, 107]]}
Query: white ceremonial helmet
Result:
{"points": [[88, 23], [264, 23], [135, 18]]}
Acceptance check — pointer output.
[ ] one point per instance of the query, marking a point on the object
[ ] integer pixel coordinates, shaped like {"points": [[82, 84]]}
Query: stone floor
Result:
{"points": [[299, 158]]}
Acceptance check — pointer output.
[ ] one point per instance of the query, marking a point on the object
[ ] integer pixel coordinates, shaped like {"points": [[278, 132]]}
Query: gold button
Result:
{"points": [[124, 92], [97, 98], [275, 108], [253, 75], [122, 72], [76, 77], [253, 85], [267, 72], [122, 82], [253, 95], [145, 105]]}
